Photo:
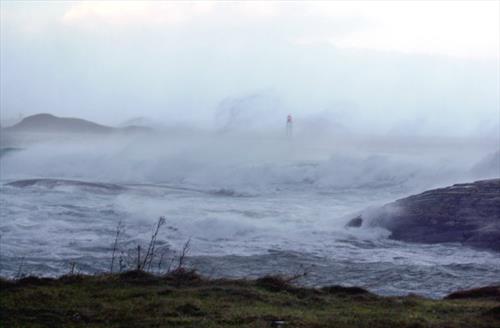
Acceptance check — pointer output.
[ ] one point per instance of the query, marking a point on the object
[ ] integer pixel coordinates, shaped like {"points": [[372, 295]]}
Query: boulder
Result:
{"points": [[467, 213], [355, 223]]}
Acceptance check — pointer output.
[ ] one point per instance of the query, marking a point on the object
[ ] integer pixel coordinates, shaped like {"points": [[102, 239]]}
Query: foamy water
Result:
{"points": [[248, 210], [288, 231]]}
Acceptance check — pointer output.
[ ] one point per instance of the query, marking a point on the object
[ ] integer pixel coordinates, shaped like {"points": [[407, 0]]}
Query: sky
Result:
{"points": [[416, 68]]}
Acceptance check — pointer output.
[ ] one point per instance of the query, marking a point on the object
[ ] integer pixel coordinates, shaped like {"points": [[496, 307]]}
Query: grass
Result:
{"points": [[183, 299]]}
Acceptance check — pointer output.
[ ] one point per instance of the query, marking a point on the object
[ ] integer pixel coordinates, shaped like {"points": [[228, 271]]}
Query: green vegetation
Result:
{"points": [[184, 299]]}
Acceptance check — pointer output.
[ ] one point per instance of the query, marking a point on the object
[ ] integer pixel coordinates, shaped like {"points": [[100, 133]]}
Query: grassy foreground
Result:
{"points": [[183, 299]]}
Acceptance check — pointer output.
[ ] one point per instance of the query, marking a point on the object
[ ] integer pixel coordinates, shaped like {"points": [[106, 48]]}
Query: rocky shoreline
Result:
{"points": [[466, 213]]}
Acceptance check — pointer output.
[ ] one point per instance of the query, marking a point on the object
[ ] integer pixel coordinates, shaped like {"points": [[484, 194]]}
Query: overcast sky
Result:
{"points": [[424, 67]]}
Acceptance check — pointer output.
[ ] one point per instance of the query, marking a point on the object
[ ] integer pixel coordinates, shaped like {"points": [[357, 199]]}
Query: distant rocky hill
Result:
{"points": [[467, 213], [51, 123], [47, 123]]}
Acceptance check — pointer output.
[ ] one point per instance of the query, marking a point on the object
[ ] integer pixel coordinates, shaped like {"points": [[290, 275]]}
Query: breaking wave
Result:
{"points": [[230, 169], [55, 183], [251, 206]]}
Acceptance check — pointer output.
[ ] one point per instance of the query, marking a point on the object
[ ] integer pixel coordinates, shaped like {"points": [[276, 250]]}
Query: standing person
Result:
{"points": [[289, 123]]}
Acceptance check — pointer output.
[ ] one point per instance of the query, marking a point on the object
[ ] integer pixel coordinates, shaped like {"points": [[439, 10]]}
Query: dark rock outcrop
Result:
{"points": [[492, 292], [355, 223], [467, 213]]}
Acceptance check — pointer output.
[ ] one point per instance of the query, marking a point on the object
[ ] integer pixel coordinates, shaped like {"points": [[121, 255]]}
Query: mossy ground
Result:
{"points": [[140, 300]]}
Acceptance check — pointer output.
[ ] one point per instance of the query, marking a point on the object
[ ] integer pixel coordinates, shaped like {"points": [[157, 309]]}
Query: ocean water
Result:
{"points": [[248, 210]]}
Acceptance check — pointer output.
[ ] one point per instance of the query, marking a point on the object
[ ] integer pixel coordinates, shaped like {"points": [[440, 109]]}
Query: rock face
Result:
{"points": [[467, 213], [355, 223]]}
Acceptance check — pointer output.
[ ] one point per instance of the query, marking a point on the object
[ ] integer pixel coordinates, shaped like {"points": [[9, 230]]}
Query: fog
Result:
{"points": [[253, 161], [370, 68]]}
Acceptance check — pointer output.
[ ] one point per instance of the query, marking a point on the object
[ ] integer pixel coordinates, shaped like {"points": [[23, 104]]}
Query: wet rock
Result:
{"points": [[483, 292], [341, 290], [355, 223], [278, 323], [467, 213]]}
